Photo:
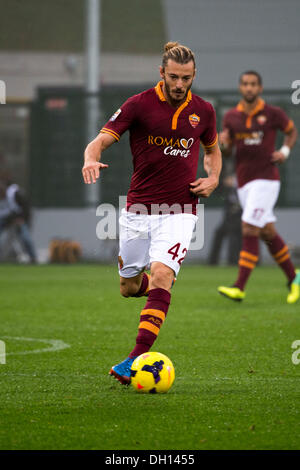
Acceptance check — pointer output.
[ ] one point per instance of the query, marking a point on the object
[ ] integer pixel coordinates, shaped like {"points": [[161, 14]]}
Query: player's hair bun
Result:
{"points": [[178, 53], [170, 45]]}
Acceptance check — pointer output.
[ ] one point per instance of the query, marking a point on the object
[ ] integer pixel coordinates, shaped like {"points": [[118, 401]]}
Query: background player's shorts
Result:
{"points": [[258, 198], [148, 238]]}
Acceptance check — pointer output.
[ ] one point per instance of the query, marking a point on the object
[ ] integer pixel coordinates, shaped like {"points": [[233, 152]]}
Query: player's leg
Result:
{"points": [[257, 199], [156, 308], [247, 262], [248, 254], [255, 208], [151, 317], [134, 244], [170, 239], [136, 286], [280, 252]]}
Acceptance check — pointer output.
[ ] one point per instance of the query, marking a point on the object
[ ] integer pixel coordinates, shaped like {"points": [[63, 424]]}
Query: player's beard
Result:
{"points": [[173, 99], [250, 98]]}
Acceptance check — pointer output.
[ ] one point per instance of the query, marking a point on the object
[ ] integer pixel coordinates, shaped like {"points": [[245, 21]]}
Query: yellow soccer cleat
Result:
{"points": [[233, 293], [294, 293]]}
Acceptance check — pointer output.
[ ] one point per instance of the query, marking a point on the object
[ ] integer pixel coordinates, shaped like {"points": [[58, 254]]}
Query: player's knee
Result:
{"points": [[127, 288], [124, 289], [267, 233], [250, 231], [161, 278]]}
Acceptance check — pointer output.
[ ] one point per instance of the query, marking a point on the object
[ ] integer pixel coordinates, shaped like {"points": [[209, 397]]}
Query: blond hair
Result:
{"points": [[177, 52]]}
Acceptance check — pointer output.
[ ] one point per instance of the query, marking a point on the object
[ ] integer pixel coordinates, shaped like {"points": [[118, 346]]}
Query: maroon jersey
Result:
{"points": [[165, 145], [254, 137]]}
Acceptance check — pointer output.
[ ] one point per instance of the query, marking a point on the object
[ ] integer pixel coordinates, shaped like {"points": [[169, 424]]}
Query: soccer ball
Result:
{"points": [[152, 372]]}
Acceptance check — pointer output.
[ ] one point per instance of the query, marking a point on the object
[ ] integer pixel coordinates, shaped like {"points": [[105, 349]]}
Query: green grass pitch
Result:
{"points": [[236, 386]]}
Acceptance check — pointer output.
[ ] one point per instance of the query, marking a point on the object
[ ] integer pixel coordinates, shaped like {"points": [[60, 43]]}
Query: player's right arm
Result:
{"points": [[225, 142], [226, 137], [110, 133], [92, 155]]}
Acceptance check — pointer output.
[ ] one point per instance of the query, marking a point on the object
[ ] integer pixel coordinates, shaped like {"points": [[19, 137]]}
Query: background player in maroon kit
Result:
{"points": [[166, 125], [251, 128]]}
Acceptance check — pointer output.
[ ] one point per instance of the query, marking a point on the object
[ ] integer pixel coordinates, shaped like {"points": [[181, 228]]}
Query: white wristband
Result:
{"points": [[285, 150]]}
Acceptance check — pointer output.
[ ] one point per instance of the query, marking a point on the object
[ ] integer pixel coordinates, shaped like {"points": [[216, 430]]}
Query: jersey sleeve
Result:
{"points": [[121, 120], [209, 138], [282, 121]]}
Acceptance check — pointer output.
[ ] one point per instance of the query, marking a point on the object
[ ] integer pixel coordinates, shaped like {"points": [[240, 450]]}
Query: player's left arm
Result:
{"points": [[203, 187], [290, 138]]}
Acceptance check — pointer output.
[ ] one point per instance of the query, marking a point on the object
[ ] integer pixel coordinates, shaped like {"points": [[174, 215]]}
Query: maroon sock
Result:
{"points": [[143, 290], [248, 260], [280, 252], [151, 319]]}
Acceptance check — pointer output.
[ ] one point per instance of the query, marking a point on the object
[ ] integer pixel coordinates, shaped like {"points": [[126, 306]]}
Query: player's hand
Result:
{"points": [[278, 157], [91, 171], [203, 187], [224, 139]]}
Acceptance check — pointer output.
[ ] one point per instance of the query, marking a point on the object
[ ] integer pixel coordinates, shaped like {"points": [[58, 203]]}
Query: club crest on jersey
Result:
{"points": [[114, 116], [261, 119], [194, 120]]}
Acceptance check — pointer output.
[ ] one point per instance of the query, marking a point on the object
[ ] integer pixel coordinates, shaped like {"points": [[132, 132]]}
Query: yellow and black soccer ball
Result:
{"points": [[152, 372]]}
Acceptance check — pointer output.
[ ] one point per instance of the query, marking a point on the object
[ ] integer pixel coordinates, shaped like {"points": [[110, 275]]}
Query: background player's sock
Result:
{"points": [[280, 252], [247, 261], [151, 319], [144, 289]]}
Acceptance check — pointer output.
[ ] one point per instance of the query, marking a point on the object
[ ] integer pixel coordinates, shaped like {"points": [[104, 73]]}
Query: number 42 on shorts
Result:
{"points": [[175, 250]]}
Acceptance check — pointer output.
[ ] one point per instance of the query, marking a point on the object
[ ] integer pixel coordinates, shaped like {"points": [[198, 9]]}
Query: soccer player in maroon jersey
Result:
{"points": [[251, 128], [166, 124]]}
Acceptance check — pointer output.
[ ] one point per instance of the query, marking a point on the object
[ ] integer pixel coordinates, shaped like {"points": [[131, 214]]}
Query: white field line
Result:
{"points": [[55, 345]]}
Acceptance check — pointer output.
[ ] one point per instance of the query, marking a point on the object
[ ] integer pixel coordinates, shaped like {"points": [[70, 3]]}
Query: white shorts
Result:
{"points": [[258, 198], [148, 238]]}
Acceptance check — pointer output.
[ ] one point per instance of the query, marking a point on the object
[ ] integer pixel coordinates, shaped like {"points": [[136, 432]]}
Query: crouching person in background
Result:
{"points": [[15, 213]]}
